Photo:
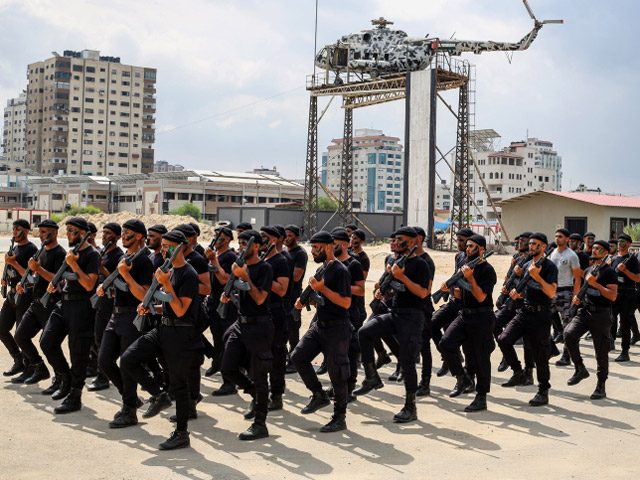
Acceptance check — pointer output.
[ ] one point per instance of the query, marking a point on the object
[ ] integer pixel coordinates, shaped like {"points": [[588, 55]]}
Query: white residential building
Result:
{"points": [[14, 133]]}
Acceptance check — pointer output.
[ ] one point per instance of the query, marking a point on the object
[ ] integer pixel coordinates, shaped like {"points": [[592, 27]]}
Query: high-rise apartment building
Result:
{"points": [[14, 135], [378, 170], [90, 114]]}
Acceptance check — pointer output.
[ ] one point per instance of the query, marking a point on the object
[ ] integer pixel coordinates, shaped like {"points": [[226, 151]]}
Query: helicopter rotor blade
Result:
{"points": [[526, 4], [552, 21]]}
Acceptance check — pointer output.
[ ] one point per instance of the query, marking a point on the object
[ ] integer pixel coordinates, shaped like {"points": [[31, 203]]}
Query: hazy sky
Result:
{"points": [[218, 60]]}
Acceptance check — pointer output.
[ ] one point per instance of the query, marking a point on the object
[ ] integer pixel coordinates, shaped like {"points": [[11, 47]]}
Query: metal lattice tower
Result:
{"points": [[460, 206], [346, 168], [310, 207]]}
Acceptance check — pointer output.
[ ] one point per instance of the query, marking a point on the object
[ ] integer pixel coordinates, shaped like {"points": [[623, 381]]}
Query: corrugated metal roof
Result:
{"points": [[593, 198]]}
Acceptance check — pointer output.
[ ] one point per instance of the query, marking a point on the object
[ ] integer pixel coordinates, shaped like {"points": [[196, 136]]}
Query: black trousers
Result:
{"points": [[391, 341], [118, 335], [407, 328], [294, 321], [102, 317], [332, 340], [176, 346], [10, 315], [218, 328], [278, 349], [503, 317], [72, 318], [250, 345], [33, 320], [476, 332], [425, 349], [625, 306], [535, 328], [599, 325]]}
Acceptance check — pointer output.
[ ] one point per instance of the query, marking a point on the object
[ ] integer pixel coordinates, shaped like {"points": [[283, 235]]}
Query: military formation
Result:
{"points": [[151, 312]]}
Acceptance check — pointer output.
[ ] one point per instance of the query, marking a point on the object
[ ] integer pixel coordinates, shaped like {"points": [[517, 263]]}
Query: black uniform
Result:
{"points": [[473, 328], [425, 349], [280, 268], [364, 260], [356, 272], [73, 316], [625, 303], [156, 259], [533, 322], [176, 339], [120, 332], [104, 308], [594, 316], [299, 259], [329, 333]]}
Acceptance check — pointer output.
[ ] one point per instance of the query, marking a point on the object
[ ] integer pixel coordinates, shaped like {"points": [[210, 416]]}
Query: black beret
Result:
{"points": [[79, 222], [248, 234], [575, 236], [21, 222], [589, 234], [393, 235], [407, 232], [613, 240], [603, 243], [244, 226], [420, 231], [322, 237], [624, 236], [135, 225], [464, 232], [351, 226], [516, 238], [293, 229], [175, 236], [92, 227], [48, 223], [280, 230], [226, 231], [161, 229], [478, 239], [539, 236], [360, 234], [525, 235], [340, 234], [271, 231], [195, 227], [186, 229], [114, 227], [563, 231]]}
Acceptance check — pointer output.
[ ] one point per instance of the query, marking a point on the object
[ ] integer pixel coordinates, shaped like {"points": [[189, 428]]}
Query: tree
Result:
{"points": [[188, 209], [633, 231], [326, 203]]}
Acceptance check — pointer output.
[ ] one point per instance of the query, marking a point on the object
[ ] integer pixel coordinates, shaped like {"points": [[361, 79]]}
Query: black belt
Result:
{"points": [[471, 311], [626, 288], [330, 323], [535, 308], [120, 310], [176, 322], [255, 319], [594, 308], [74, 296], [408, 311], [564, 289]]}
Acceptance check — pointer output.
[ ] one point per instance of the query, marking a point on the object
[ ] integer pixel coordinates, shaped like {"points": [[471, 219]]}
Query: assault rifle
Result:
{"points": [[154, 292], [585, 286], [511, 303], [309, 295], [512, 279], [456, 278], [266, 253], [5, 272], [388, 282], [624, 262], [233, 284], [62, 272], [27, 272], [213, 268], [114, 278]]}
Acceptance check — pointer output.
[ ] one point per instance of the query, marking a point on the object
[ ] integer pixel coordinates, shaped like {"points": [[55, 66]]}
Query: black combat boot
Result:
{"points": [[26, 373], [101, 382], [92, 368], [463, 382], [554, 350], [351, 386], [409, 412], [443, 370], [623, 357], [289, 368], [275, 402], [72, 403], [471, 388], [17, 367], [40, 372], [192, 414], [564, 360], [55, 384], [382, 360], [541, 398], [371, 380], [479, 403], [338, 422], [227, 388], [64, 387], [250, 412], [258, 429], [579, 375], [178, 439], [213, 369], [157, 403], [518, 378], [322, 369], [599, 392], [528, 375], [424, 388], [319, 400], [503, 365], [126, 417], [396, 374]]}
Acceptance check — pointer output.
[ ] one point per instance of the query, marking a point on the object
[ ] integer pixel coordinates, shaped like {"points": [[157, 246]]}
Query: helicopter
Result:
{"points": [[382, 51]]}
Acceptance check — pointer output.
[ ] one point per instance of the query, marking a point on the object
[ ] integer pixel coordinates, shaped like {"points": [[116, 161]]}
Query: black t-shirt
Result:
{"points": [[364, 260], [199, 249], [299, 259], [485, 277], [417, 270], [199, 263], [336, 279], [89, 262], [633, 265], [584, 259], [549, 273], [156, 259], [289, 260], [226, 260], [51, 260], [460, 260], [261, 276], [357, 275], [142, 272], [111, 259], [432, 266], [23, 253], [606, 276], [279, 269], [184, 281]]}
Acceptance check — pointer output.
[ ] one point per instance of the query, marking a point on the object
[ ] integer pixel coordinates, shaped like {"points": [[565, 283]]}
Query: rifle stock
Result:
{"points": [[387, 278], [307, 293], [583, 288], [510, 303], [6, 269], [27, 271], [457, 276], [111, 279], [223, 308]]}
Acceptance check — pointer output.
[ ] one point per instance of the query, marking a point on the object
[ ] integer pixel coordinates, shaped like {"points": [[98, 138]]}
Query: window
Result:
{"points": [[87, 152], [77, 68]]}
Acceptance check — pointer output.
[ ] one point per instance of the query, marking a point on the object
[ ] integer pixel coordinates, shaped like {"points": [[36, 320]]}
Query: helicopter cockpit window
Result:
{"points": [[340, 57], [356, 55], [367, 56], [366, 37]]}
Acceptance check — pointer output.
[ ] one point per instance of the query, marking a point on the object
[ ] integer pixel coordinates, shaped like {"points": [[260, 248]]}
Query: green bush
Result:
{"points": [[188, 209], [73, 211], [633, 231], [57, 218], [326, 203]]}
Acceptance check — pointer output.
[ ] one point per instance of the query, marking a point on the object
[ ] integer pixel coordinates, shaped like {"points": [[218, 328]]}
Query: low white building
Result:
{"points": [[14, 135]]}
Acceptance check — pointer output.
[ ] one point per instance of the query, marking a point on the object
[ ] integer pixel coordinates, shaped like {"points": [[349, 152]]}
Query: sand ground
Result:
{"points": [[573, 437]]}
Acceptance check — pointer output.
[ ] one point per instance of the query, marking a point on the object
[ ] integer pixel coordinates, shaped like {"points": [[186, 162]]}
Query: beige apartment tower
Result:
{"points": [[90, 115]]}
